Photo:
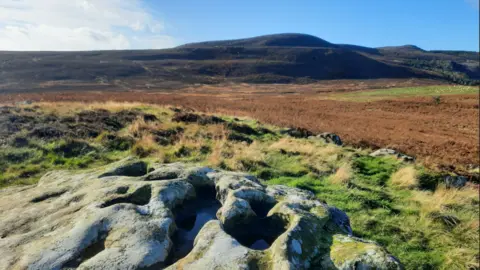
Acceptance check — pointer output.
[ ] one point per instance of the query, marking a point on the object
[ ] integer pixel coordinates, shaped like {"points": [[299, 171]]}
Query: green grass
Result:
{"points": [[408, 222], [372, 95], [388, 216], [26, 165]]}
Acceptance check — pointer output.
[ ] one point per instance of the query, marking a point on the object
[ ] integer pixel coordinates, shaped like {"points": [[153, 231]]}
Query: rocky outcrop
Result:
{"points": [[161, 217], [393, 153], [328, 138], [455, 181], [297, 132]]}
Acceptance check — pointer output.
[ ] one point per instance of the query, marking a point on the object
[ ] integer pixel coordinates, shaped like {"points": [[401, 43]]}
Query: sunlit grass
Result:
{"points": [[373, 95], [425, 225]]}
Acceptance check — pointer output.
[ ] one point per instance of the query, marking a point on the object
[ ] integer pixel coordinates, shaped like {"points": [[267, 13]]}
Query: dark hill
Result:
{"points": [[404, 48], [361, 49], [277, 40], [281, 58]]}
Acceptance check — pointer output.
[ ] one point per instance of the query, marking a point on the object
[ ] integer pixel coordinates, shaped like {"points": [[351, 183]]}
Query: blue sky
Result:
{"points": [[430, 24], [144, 24]]}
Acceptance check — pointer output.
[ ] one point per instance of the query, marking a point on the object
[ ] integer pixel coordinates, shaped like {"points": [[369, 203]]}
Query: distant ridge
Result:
{"points": [[278, 58], [410, 48], [275, 40]]}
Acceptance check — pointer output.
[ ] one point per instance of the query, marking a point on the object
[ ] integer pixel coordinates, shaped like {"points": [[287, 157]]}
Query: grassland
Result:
{"points": [[436, 124], [406, 92], [405, 207]]}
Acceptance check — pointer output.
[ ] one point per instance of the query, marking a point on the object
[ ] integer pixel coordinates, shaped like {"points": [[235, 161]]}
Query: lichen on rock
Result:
{"points": [[118, 218]]}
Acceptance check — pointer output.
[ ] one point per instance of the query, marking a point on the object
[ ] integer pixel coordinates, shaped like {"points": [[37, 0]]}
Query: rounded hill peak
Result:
{"points": [[407, 47], [275, 40]]}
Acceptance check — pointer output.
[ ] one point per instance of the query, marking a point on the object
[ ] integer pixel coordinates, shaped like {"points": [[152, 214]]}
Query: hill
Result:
{"points": [[404, 48], [279, 40], [281, 58]]}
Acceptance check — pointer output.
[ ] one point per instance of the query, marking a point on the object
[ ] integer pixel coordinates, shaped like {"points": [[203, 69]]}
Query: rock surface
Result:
{"points": [[328, 138], [114, 218], [455, 181], [390, 152]]}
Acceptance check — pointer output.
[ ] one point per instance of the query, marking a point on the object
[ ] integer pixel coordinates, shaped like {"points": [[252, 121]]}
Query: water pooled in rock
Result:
{"points": [[260, 245], [262, 231], [190, 219]]}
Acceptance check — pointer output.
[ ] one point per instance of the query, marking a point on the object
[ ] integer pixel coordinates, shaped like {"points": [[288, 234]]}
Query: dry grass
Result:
{"points": [[414, 125], [461, 258], [463, 237], [417, 231], [216, 158], [244, 152], [145, 146], [405, 177], [443, 197], [342, 175], [293, 145]]}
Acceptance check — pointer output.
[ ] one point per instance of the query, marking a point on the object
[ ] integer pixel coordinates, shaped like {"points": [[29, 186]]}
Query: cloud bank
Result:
{"points": [[80, 25]]}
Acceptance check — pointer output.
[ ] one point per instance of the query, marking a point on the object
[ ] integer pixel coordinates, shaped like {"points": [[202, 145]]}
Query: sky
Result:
{"points": [[154, 24]]}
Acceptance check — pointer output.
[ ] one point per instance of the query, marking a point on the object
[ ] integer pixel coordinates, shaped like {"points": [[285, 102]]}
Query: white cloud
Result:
{"points": [[79, 25]]}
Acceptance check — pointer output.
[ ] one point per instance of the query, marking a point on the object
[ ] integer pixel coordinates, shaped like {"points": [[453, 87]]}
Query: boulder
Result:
{"points": [[297, 132], [454, 181], [390, 152], [328, 138], [117, 218]]}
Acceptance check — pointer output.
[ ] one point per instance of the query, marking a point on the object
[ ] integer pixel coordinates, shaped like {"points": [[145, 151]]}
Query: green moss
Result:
{"points": [[344, 251]]}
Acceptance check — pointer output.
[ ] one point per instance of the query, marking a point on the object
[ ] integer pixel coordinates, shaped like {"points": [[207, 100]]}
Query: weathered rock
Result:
{"points": [[297, 132], [390, 152], [455, 181], [126, 167], [115, 218], [353, 253], [328, 138]]}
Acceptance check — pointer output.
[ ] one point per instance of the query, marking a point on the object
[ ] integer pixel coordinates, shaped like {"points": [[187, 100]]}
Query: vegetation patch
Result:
{"points": [[403, 206], [433, 91]]}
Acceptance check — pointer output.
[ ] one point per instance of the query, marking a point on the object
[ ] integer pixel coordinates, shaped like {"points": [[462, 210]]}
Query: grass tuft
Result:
{"points": [[405, 177]]}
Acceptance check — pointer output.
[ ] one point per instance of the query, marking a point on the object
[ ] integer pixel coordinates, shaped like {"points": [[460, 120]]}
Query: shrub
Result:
{"points": [[73, 148], [428, 181], [145, 146], [184, 151]]}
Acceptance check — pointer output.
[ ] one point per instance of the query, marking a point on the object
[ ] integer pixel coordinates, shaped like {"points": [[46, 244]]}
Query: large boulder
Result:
{"points": [[115, 218]]}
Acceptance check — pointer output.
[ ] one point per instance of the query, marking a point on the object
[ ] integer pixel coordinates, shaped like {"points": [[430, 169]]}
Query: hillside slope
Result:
{"points": [[280, 40], [281, 58]]}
